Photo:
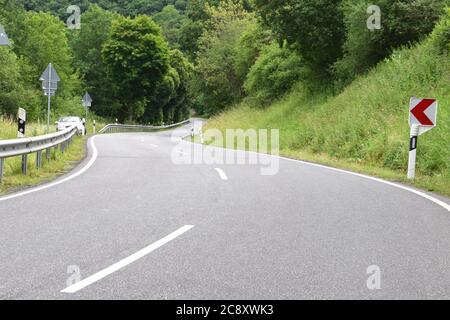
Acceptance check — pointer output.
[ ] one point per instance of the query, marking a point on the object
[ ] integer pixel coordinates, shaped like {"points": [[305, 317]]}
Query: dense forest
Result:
{"points": [[153, 61]]}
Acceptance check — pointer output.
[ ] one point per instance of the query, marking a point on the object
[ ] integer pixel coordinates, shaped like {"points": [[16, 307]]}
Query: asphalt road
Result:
{"points": [[307, 232]]}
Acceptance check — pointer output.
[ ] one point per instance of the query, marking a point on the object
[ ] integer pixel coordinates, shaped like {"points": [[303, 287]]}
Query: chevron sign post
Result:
{"points": [[422, 118]]}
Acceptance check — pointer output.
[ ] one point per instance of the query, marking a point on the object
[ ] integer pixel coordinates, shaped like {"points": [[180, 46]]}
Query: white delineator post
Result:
{"points": [[202, 141], [413, 151]]}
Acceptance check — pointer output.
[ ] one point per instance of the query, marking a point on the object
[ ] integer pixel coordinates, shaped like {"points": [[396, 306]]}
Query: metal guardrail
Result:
{"points": [[24, 146], [116, 128]]}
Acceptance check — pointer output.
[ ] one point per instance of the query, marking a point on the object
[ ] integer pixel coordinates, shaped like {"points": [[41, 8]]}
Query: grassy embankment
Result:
{"points": [[59, 163], [365, 127]]}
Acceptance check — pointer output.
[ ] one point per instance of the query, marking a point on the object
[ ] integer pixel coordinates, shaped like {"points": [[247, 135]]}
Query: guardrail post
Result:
{"points": [[47, 153], [38, 159], [62, 147], [24, 164], [2, 162]]}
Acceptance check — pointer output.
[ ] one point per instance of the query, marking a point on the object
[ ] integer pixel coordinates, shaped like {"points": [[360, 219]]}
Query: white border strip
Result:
{"points": [[124, 262], [53, 184]]}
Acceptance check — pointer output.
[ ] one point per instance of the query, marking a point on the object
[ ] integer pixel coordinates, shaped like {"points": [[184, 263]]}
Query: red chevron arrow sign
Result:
{"points": [[423, 113]]}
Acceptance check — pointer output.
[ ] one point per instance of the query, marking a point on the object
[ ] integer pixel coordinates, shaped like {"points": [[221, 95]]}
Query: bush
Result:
{"points": [[441, 34], [221, 61], [316, 27], [400, 25], [273, 74]]}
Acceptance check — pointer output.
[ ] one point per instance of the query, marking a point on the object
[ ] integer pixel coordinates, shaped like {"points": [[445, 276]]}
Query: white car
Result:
{"points": [[66, 122]]}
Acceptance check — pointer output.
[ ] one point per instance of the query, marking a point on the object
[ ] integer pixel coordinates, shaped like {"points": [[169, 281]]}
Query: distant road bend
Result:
{"points": [[131, 224]]}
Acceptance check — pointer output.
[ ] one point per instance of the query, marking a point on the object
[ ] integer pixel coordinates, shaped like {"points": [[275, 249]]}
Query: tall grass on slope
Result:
{"points": [[365, 128], [8, 128]]}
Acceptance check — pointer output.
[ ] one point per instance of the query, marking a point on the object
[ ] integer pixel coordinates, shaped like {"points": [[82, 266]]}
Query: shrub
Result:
{"points": [[315, 27], [221, 62], [400, 25], [273, 74], [441, 34]]}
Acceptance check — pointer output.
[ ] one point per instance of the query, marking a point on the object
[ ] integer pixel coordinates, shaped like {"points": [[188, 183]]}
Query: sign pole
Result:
{"points": [[49, 97], [413, 151], [87, 102], [422, 118], [50, 81]]}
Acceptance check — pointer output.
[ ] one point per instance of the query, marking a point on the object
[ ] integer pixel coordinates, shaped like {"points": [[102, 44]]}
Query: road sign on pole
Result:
{"points": [[22, 119], [4, 41], [50, 81], [423, 113], [87, 100], [422, 118]]}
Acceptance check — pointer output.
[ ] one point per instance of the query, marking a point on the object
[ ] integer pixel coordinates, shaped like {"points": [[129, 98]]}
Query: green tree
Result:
{"points": [[274, 73], [219, 65], [192, 29], [315, 26], [402, 22], [178, 107], [171, 21], [45, 40], [171, 102], [38, 39], [87, 44], [441, 34], [138, 59], [11, 93]]}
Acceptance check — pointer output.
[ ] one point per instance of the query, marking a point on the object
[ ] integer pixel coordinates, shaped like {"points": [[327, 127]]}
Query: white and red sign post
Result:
{"points": [[422, 118]]}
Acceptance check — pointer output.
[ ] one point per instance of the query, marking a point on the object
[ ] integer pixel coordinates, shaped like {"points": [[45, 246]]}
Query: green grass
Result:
{"points": [[59, 163], [8, 128], [98, 125], [364, 128]]}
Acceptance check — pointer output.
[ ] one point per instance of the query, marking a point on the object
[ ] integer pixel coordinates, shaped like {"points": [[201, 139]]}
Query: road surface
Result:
{"points": [[134, 225]]}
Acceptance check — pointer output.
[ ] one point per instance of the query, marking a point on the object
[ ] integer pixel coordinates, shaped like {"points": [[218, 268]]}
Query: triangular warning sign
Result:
{"points": [[50, 74], [4, 41], [87, 100]]}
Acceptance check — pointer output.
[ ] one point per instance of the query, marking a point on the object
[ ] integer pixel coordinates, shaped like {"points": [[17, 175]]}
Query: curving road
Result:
{"points": [[134, 225]]}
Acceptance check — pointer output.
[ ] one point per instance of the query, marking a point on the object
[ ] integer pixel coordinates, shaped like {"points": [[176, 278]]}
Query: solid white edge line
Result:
{"points": [[393, 184], [222, 174], [440, 203], [124, 262], [52, 184]]}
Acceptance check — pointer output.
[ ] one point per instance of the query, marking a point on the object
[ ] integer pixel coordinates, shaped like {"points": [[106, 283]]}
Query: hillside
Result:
{"points": [[364, 128]]}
